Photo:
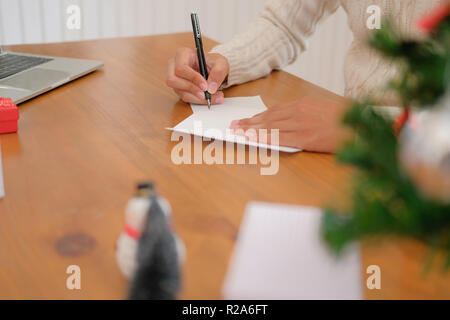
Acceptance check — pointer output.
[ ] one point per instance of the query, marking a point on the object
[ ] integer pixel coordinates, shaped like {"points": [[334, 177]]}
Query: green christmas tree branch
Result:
{"points": [[385, 200]]}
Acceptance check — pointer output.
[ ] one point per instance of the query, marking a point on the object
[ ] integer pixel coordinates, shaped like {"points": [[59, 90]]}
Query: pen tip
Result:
{"points": [[209, 104]]}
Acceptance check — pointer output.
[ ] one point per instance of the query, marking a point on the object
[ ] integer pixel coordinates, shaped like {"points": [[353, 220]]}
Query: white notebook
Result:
{"points": [[280, 255], [213, 124]]}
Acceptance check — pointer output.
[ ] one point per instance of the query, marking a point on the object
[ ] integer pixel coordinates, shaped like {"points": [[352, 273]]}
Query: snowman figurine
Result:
{"points": [[149, 253]]}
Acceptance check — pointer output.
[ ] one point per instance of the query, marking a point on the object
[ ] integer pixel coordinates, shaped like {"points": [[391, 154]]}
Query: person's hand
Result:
{"points": [[309, 123], [184, 77]]}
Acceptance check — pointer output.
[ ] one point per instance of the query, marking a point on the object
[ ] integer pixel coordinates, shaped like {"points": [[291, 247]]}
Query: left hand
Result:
{"points": [[311, 124]]}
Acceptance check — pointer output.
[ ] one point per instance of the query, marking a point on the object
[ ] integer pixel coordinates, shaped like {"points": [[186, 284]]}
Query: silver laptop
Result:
{"points": [[24, 76]]}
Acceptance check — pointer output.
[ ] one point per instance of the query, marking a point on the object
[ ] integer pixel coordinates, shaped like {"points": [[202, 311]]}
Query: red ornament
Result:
{"points": [[132, 232], [9, 115], [400, 121], [429, 21]]}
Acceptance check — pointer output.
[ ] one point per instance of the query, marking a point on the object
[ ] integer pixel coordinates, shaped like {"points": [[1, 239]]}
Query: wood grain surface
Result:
{"points": [[81, 148]]}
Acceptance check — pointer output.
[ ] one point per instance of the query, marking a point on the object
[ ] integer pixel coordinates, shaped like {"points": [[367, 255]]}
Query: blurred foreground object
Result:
{"points": [[9, 116], [401, 187], [425, 151], [149, 253], [280, 255]]}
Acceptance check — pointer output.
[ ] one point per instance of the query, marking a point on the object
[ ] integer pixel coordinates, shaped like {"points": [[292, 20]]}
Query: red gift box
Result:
{"points": [[9, 115]]}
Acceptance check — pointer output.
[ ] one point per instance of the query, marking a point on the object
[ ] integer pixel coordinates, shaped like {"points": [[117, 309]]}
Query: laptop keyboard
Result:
{"points": [[13, 63]]}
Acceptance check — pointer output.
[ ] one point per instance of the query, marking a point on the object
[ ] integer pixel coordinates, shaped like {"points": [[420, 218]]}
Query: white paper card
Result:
{"points": [[280, 255], [213, 124]]}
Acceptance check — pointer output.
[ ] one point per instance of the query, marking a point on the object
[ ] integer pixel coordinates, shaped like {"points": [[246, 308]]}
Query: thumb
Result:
{"points": [[217, 75]]}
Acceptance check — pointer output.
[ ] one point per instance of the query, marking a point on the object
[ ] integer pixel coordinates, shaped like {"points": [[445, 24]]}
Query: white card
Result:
{"points": [[280, 254], [214, 123]]}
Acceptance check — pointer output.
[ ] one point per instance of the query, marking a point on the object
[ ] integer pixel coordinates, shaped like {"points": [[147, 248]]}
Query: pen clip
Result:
{"points": [[196, 25]]}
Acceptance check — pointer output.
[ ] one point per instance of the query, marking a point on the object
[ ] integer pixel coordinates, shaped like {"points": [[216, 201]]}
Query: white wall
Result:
{"points": [[36, 21]]}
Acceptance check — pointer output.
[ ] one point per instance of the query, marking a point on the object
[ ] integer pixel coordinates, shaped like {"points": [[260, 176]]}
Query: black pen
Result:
{"points": [[201, 55]]}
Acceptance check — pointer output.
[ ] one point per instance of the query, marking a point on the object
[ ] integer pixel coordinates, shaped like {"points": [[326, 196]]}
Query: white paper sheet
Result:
{"points": [[2, 186], [220, 117], [280, 255]]}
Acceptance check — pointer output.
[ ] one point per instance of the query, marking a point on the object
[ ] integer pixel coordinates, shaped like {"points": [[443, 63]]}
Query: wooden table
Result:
{"points": [[81, 149]]}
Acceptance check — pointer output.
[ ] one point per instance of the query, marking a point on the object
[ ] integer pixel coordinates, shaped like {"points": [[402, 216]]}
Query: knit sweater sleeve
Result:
{"points": [[274, 39]]}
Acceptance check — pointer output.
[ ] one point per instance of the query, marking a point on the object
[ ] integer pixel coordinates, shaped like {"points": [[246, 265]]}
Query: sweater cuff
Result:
{"points": [[234, 77]]}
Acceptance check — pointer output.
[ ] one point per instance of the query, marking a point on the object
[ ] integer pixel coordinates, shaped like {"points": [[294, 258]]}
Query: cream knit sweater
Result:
{"points": [[279, 35]]}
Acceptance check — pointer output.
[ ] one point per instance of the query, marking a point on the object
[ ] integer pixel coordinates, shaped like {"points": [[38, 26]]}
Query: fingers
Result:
{"points": [[256, 119], [282, 125], [188, 91], [188, 97], [301, 125], [184, 66], [274, 118], [271, 137], [260, 127], [219, 69], [181, 84], [189, 84], [186, 72]]}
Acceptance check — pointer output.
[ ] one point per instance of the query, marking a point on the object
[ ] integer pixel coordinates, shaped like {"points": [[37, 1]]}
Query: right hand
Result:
{"points": [[184, 77]]}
